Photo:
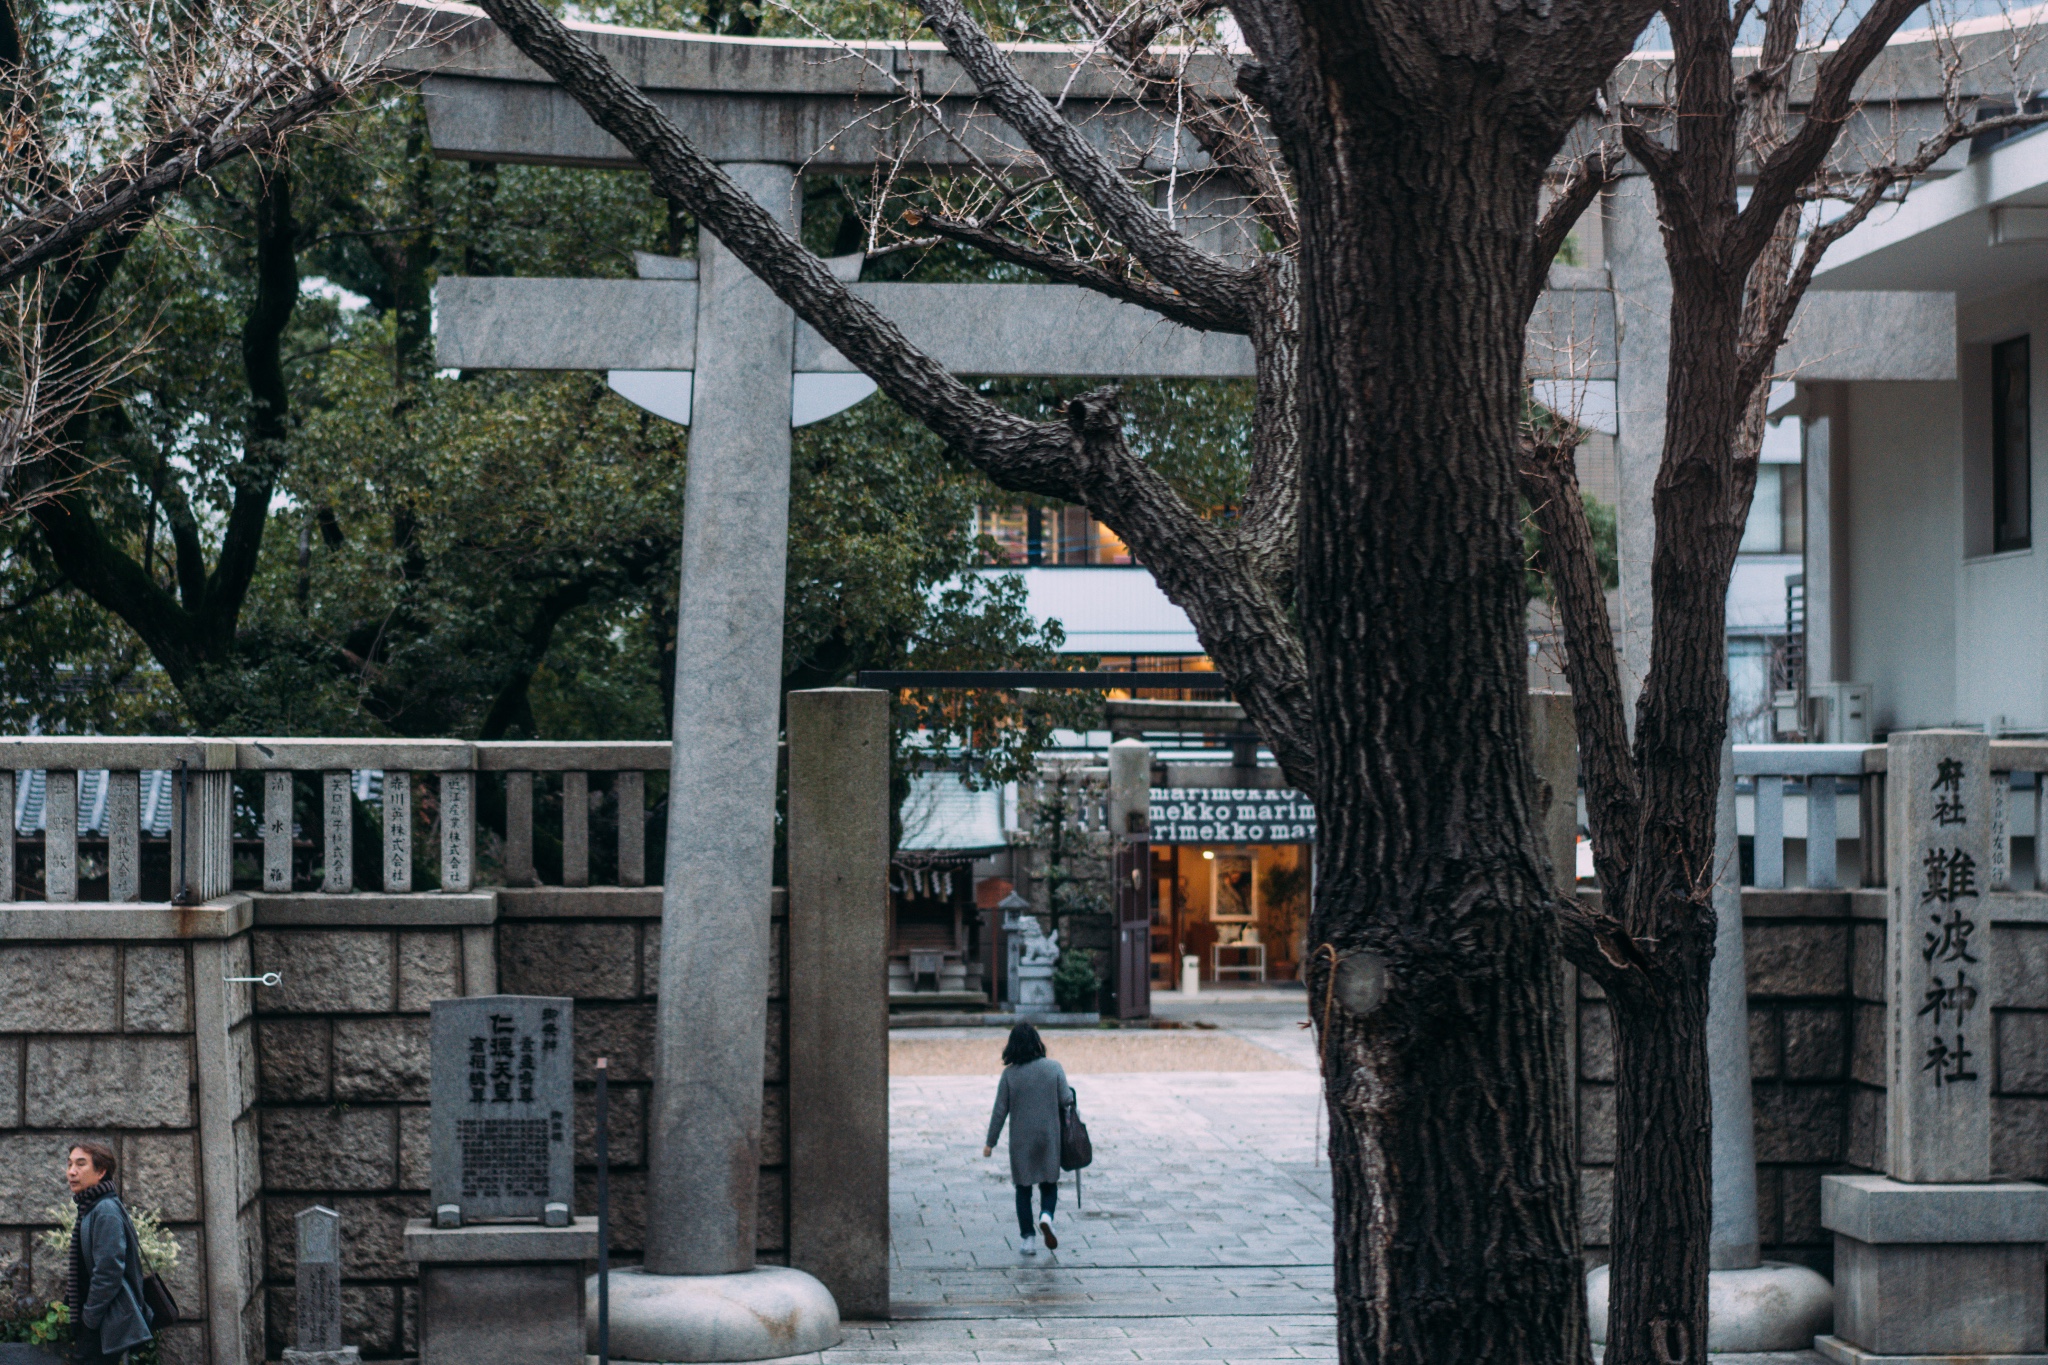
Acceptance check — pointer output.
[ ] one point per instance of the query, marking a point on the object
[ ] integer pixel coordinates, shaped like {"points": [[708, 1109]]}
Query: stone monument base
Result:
{"points": [[1958, 1272], [1842, 1353], [1031, 988], [497, 1292], [1771, 1307], [345, 1355], [755, 1315]]}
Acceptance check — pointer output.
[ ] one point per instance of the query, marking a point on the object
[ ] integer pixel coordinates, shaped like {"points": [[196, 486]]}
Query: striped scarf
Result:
{"points": [[75, 1277]]}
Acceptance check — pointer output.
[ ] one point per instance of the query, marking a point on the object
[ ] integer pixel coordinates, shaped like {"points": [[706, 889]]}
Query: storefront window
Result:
{"points": [[1241, 911]]}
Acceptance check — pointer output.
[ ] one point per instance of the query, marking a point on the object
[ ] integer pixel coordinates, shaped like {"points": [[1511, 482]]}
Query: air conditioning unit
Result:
{"points": [[1842, 712], [1785, 713]]}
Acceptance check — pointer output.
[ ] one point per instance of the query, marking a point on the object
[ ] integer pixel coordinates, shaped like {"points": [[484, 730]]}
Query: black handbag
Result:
{"points": [[1076, 1150], [157, 1304]]}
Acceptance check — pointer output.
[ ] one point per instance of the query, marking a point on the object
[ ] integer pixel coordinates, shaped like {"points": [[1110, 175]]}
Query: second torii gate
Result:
{"points": [[713, 347]]}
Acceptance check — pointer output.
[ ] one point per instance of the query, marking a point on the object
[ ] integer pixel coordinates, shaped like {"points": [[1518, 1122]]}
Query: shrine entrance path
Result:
{"points": [[1203, 1230]]}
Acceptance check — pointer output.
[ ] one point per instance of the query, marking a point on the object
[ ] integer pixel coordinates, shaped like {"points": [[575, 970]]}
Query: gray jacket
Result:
{"points": [[1030, 1096], [113, 1290]]}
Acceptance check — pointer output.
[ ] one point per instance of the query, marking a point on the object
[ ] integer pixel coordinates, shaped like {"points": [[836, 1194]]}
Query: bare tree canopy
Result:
{"points": [[104, 116]]}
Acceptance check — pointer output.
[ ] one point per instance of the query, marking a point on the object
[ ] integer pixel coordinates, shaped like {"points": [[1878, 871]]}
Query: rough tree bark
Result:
{"points": [[1738, 273], [1417, 137]]}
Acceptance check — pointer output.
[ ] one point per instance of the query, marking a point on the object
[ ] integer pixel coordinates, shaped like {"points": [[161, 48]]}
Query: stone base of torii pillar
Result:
{"points": [[1752, 1304], [758, 1314]]}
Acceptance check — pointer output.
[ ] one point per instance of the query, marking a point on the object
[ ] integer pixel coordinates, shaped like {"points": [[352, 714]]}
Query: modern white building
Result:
{"points": [[1923, 577]]}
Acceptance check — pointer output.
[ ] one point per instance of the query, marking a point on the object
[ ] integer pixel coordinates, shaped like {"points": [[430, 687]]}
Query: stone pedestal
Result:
{"points": [[761, 1314], [1760, 1308], [1955, 1272], [496, 1292], [1031, 988]]}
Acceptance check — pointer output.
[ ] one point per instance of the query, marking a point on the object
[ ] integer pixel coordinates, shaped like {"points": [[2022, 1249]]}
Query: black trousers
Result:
{"points": [[1048, 1200]]}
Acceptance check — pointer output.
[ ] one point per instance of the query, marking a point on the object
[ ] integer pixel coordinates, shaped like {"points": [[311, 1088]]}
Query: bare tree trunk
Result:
{"points": [[1455, 1195]]}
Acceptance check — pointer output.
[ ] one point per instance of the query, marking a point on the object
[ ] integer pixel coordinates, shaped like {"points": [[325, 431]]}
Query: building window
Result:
{"points": [[1777, 512], [2012, 521]]}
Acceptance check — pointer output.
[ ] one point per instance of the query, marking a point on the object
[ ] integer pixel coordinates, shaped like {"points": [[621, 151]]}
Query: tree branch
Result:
{"points": [[1178, 263], [1550, 483], [1072, 270], [1760, 354], [161, 168], [1785, 172], [1239, 620], [1227, 132]]}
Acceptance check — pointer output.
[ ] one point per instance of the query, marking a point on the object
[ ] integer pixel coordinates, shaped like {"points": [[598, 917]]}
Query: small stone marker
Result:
{"points": [[1938, 1039], [501, 1105], [319, 1292]]}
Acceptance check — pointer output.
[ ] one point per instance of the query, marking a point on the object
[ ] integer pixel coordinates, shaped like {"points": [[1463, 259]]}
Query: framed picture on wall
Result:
{"points": [[1234, 890]]}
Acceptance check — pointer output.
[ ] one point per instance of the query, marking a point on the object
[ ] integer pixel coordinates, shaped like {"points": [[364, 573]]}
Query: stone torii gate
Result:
{"points": [[708, 344]]}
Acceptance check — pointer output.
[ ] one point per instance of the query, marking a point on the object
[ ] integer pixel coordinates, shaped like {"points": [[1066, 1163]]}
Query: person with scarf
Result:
{"points": [[104, 1288]]}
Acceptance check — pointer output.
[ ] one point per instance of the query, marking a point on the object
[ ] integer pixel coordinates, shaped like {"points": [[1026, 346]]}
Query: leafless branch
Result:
{"points": [[1834, 99], [1071, 270], [1169, 256], [1584, 179]]}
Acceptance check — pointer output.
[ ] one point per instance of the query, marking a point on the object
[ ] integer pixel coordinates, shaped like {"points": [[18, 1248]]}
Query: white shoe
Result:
{"points": [[1027, 1245], [1052, 1242]]}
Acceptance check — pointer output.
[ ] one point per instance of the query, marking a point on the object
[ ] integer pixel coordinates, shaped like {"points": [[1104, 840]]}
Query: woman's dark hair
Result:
{"points": [[103, 1160], [1024, 1046]]}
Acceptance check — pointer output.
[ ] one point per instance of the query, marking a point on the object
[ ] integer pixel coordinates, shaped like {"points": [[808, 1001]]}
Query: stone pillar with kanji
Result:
{"points": [[1934, 1257]]}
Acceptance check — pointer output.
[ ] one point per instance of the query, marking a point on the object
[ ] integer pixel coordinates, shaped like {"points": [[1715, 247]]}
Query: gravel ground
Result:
{"points": [[967, 1052]]}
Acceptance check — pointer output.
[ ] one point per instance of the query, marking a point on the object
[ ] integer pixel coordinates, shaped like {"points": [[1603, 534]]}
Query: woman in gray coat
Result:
{"points": [[1030, 1095]]}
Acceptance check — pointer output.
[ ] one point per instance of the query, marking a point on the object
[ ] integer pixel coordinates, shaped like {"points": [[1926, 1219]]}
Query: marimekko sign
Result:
{"points": [[1231, 815]]}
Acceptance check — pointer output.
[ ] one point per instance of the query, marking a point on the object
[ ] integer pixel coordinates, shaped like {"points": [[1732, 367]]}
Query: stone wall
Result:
{"points": [[342, 1068], [343, 1062], [122, 1040], [602, 945], [1816, 1026]]}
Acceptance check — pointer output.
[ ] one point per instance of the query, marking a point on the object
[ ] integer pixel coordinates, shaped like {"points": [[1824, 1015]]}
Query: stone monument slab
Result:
{"points": [[1932, 1261], [502, 1106], [318, 1308], [1938, 1035]]}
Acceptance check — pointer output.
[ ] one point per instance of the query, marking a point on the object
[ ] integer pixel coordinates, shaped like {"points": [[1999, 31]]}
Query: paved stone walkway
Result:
{"points": [[1202, 1233]]}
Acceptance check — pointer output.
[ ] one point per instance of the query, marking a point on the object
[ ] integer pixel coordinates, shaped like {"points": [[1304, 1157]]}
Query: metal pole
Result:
{"points": [[604, 1213]]}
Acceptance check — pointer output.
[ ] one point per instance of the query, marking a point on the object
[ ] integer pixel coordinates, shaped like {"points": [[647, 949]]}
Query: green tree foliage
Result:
{"points": [[485, 554]]}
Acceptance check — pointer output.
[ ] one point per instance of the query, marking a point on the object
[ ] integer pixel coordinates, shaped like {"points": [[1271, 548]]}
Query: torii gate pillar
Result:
{"points": [[700, 1295]]}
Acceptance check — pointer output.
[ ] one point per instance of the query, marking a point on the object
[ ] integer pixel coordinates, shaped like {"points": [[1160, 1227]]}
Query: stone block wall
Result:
{"points": [[603, 946], [100, 1040], [342, 1056], [1816, 967], [342, 1064], [2019, 1099]]}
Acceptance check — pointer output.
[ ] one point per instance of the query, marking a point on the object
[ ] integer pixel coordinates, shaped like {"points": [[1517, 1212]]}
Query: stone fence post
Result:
{"points": [[838, 1001]]}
